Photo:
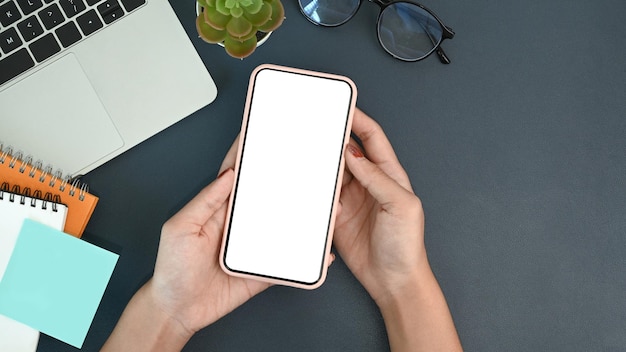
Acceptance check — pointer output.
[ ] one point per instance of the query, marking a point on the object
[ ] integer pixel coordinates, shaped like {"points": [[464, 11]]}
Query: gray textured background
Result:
{"points": [[517, 150]]}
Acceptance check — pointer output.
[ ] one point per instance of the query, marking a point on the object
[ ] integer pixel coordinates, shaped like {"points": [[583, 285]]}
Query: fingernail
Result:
{"points": [[355, 151], [223, 172]]}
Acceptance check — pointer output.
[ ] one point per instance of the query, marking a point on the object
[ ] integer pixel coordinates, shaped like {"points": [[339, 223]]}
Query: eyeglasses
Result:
{"points": [[406, 30]]}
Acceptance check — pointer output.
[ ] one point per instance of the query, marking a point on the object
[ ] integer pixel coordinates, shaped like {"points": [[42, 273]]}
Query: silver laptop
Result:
{"points": [[82, 81]]}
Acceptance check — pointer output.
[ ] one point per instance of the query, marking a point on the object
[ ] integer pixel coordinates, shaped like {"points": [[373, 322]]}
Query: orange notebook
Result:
{"points": [[16, 171]]}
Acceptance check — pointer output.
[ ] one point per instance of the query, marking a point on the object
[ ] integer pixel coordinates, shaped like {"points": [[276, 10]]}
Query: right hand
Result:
{"points": [[379, 231]]}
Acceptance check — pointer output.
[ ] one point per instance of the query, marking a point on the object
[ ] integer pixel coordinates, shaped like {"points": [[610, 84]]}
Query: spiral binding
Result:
{"points": [[23, 194], [37, 167]]}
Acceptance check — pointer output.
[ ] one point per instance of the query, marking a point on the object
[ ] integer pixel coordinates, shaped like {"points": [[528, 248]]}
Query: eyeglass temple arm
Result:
{"points": [[447, 34], [442, 56]]}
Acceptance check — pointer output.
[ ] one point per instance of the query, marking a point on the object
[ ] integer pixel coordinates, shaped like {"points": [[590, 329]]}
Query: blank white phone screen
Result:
{"points": [[288, 174]]}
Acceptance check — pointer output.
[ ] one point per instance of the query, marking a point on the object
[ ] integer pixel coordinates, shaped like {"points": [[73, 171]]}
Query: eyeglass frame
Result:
{"points": [[446, 33]]}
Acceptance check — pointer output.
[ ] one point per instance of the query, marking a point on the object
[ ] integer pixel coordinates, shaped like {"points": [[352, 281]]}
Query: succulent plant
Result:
{"points": [[235, 23]]}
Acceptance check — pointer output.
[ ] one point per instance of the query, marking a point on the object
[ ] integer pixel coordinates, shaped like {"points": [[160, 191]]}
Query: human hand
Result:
{"points": [[188, 290], [380, 236], [188, 283], [379, 232]]}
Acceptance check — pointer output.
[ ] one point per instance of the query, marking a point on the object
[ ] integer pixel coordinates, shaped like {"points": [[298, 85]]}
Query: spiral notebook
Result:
{"points": [[19, 172], [14, 208]]}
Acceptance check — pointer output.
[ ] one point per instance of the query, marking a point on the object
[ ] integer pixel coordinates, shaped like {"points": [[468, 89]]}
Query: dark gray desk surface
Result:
{"points": [[517, 150]]}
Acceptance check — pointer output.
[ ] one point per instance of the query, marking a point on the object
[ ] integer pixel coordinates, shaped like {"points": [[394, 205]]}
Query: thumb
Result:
{"points": [[381, 186], [208, 201]]}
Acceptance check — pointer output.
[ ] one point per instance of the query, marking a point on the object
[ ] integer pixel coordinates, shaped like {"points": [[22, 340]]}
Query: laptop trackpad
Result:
{"points": [[63, 121]]}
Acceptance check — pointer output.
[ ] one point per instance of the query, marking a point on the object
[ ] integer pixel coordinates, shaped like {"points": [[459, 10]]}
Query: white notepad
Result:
{"points": [[14, 208]]}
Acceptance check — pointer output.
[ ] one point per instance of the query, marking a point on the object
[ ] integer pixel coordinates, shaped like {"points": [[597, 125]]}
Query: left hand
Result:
{"points": [[188, 283]]}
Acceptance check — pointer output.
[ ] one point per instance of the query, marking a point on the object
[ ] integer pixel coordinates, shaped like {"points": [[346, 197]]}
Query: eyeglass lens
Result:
{"points": [[405, 30], [329, 12], [408, 32]]}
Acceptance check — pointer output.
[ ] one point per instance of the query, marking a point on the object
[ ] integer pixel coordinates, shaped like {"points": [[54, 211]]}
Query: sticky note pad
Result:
{"points": [[54, 282]]}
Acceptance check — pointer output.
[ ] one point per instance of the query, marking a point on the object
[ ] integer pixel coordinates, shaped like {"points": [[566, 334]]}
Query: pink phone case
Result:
{"points": [[338, 183]]}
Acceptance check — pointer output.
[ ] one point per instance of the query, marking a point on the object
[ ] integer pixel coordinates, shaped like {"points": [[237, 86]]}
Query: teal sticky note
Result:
{"points": [[54, 282]]}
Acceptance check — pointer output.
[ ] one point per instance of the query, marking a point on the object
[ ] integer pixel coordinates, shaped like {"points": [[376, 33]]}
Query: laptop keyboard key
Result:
{"points": [[11, 66], [29, 6], [72, 7], [89, 22], [110, 11], [9, 13], [30, 28], [130, 5], [31, 31], [51, 16], [68, 34], [9, 40], [44, 47]]}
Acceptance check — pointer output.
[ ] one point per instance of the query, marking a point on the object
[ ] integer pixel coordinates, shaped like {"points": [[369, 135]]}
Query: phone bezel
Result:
{"points": [[338, 180]]}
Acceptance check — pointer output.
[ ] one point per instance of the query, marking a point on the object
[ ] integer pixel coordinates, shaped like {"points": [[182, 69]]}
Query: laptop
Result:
{"points": [[82, 81]]}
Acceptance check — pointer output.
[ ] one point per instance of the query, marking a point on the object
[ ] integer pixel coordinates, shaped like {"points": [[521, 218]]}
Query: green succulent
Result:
{"points": [[236, 22]]}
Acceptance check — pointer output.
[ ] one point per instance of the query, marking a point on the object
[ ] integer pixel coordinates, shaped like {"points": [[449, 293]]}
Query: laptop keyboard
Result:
{"points": [[31, 31]]}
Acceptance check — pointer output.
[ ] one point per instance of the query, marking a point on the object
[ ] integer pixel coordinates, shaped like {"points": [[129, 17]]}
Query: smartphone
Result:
{"points": [[288, 174]]}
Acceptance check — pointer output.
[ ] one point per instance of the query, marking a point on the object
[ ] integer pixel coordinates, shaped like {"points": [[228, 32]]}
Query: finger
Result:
{"points": [[202, 207], [231, 156], [330, 259], [396, 173], [378, 148], [387, 192], [347, 175], [214, 227], [373, 138]]}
